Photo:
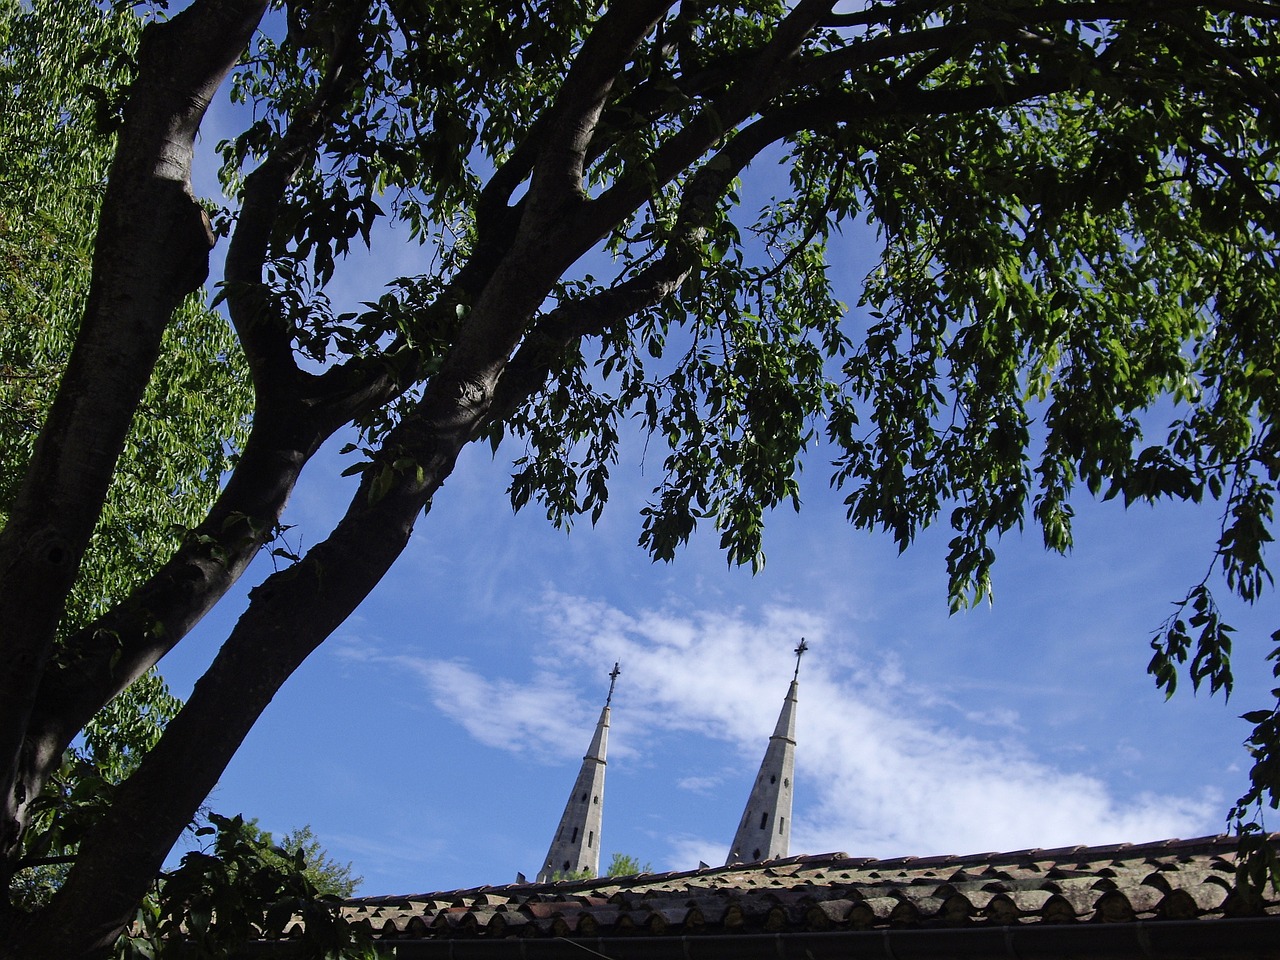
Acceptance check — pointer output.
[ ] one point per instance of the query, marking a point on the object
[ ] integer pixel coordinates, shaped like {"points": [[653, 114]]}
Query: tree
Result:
{"points": [[54, 165], [1076, 206], [624, 865], [329, 877], [240, 888]]}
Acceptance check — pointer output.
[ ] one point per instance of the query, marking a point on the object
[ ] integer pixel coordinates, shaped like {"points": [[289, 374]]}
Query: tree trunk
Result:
{"points": [[290, 614], [151, 251]]}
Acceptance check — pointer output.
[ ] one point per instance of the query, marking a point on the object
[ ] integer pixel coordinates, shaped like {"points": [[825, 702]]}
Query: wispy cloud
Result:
{"points": [[543, 716], [878, 772], [699, 784]]}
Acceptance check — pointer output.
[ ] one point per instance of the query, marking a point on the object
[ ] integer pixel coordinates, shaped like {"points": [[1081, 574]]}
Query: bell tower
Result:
{"points": [[765, 830], [576, 846]]}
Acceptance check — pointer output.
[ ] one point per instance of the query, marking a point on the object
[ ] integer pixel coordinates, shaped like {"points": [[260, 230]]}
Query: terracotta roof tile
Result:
{"points": [[1114, 885]]}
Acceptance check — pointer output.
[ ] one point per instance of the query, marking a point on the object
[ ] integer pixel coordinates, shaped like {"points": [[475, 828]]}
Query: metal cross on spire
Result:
{"points": [[799, 653], [613, 678]]}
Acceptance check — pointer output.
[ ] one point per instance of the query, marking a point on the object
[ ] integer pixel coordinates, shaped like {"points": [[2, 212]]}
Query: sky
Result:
{"points": [[432, 741]]}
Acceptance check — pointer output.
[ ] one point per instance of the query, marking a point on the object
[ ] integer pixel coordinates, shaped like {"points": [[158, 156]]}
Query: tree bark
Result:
{"points": [[151, 251], [290, 614]]}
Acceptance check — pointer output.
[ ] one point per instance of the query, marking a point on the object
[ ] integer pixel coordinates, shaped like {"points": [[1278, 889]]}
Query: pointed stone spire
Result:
{"points": [[765, 830], [576, 846]]}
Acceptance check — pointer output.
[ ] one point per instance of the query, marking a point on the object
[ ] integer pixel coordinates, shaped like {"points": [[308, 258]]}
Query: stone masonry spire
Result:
{"points": [[576, 846], [765, 830]]}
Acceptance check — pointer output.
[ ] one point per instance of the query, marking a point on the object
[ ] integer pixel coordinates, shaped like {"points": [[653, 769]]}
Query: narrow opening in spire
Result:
{"points": [[591, 836], [764, 819], [574, 838]]}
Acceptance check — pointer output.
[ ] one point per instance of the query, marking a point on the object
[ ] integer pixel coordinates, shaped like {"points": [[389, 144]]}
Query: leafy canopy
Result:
{"points": [[54, 163], [1076, 290], [1076, 287], [624, 215]]}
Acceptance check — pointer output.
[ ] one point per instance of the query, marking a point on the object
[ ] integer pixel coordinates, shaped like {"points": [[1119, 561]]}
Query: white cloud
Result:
{"points": [[686, 852], [698, 784], [994, 717], [543, 717], [877, 774]]}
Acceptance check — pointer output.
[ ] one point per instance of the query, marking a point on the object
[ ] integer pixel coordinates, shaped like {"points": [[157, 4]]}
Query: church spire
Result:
{"points": [[576, 846], [765, 830]]}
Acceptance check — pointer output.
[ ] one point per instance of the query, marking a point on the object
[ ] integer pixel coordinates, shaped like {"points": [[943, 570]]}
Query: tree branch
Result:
{"points": [[267, 340], [761, 79], [101, 659], [289, 615], [593, 315], [151, 251], [558, 171]]}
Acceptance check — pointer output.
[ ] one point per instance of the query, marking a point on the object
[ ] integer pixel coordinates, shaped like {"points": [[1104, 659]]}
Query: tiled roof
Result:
{"points": [[1182, 887]]}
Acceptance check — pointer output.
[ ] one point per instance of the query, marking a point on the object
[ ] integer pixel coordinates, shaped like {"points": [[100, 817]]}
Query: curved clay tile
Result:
{"points": [[1159, 881], [467, 925], [560, 927], [499, 925], [1029, 902], [626, 924], [1113, 907], [849, 863], [1218, 880], [981, 897], [733, 918], [1144, 899], [1001, 910], [1243, 903], [416, 928], [926, 907], [817, 920], [957, 909], [445, 919], [363, 925], [1058, 909], [543, 910], [1178, 905], [675, 914], [655, 924], [905, 914], [861, 917], [879, 907], [1207, 896], [837, 911]]}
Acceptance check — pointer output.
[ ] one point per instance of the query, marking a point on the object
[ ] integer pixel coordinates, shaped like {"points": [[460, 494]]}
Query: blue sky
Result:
{"points": [[432, 741]]}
